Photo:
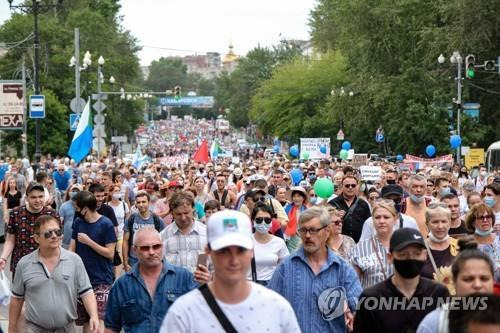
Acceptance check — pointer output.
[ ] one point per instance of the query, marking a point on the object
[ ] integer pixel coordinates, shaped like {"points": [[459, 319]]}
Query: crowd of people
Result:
{"points": [[240, 245]]}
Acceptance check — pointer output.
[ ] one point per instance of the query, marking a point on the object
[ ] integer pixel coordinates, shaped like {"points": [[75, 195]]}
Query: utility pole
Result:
{"points": [[25, 123], [79, 107], [36, 44], [459, 104]]}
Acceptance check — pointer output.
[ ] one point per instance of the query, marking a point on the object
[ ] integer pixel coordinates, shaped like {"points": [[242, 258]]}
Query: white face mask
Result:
{"points": [[262, 228], [116, 196], [483, 173]]}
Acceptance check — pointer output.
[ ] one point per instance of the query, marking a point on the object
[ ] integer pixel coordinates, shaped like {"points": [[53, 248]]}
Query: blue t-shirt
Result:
{"points": [[62, 181], [99, 268], [67, 213]]}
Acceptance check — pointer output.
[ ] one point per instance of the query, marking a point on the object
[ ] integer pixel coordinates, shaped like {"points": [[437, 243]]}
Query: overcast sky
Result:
{"points": [[181, 27]]}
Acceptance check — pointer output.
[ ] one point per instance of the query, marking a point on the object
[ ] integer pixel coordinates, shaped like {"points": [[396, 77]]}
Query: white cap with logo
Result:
{"points": [[229, 228]]}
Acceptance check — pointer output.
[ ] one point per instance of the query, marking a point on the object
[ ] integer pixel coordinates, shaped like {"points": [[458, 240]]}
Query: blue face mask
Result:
{"points": [[444, 191], [490, 201], [262, 228], [483, 233], [313, 200], [416, 198]]}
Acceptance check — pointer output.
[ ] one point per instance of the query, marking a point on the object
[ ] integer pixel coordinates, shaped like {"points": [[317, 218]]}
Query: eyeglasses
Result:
{"points": [[48, 233], [373, 198], [266, 220], [484, 217], [146, 248], [338, 222], [350, 185], [312, 231]]}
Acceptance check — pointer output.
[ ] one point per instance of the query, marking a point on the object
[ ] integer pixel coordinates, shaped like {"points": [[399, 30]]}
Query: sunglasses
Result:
{"points": [[266, 220], [147, 248], [484, 217], [339, 222], [350, 185], [257, 199], [48, 233]]}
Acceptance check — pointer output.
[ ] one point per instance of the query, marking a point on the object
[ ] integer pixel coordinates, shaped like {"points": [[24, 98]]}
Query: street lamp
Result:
{"points": [[35, 8], [457, 59]]}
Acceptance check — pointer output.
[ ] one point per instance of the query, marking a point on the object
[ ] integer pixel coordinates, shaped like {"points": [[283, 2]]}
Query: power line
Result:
{"points": [[484, 89]]}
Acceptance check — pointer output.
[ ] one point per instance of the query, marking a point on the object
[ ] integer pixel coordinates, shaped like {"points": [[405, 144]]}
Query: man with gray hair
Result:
{"points": [[139, 299], [321, 287]]}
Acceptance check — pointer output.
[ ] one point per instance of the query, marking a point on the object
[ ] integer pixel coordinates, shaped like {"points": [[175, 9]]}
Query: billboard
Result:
{"points": [[313, 147], [11, 105]]}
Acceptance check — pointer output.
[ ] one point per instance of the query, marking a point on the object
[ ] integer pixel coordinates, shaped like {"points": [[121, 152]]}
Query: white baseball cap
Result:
{"points": [[229, 228]]}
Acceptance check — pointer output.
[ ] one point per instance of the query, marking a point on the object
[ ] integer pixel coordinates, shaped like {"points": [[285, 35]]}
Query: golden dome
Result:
{"points": [[230, 56]]}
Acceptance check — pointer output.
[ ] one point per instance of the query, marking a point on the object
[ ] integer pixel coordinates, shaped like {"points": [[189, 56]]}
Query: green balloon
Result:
{"points": [[305, 155], [343, 154], [323, 188]]}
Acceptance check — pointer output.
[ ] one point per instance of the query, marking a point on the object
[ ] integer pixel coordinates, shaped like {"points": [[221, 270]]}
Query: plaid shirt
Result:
{"points": [[183, 250]]}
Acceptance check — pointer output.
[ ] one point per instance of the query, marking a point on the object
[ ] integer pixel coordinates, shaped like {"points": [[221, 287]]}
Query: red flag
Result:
{"points": [[201, 154]]}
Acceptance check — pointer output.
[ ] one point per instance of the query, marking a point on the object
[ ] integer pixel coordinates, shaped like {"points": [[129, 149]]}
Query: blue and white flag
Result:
{"points": [[139, 158], [81, 145]]}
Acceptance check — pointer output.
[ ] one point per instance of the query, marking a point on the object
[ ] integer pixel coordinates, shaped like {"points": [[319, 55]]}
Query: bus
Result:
{"points": [[493, 157]]}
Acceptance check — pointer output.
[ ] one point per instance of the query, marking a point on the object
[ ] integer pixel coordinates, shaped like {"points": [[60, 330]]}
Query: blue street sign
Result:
{"points": [[73, 121], [192, 101], [37, 106], [379, 137]]}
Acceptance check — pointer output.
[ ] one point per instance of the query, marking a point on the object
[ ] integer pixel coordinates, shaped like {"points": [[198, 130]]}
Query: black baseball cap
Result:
{"points": [[391, 189], [34, 186], [403, 237]]}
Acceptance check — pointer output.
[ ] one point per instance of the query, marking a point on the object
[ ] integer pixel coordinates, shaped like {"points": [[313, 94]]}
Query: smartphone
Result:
{"points": [[202, 259]]}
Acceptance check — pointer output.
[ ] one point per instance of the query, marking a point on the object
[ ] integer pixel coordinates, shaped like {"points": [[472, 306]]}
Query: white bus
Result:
{"points": [[493, 157]]}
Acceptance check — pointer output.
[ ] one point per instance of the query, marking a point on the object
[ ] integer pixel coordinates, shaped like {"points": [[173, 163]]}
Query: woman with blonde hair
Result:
{"points": [[369, 256], [442, 249], [339, 243]]}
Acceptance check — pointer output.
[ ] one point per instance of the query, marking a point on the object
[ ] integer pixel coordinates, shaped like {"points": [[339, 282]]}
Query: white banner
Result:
{"points": [[370, 172], [11, 105], [313, 146]]}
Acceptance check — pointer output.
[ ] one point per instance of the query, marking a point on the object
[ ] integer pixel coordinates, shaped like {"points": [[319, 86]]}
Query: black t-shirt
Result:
{"points": [[108, 211], [397, 314], [353, 222], [442, 258], [459, 230], [13, 201]]}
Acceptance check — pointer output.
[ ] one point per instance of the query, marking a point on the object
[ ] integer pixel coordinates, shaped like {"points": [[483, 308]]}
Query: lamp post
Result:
{"points": [[112, 81], [35, 9], [457, 59], [341, 93]]}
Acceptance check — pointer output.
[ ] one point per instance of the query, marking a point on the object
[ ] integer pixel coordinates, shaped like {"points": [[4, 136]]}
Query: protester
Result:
{"points": [[309, 276], [211, 207], [20, 240], [354, 212], [140, 219], [185, 238], [473, 272], [481, 220], [11, 198], [243, 305], [50, 289], [94, 240], [226, 197], [407, 253], [269, 250], [67, 213], [457, 227], [293, 211], [339, 243], [492, 199], [152, 279], [370, 256]]}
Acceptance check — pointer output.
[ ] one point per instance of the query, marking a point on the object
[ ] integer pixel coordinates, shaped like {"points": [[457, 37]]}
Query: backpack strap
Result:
{"points": [[216, 196], [156, 221], [217, 311], [131, 221], [224, 197]]}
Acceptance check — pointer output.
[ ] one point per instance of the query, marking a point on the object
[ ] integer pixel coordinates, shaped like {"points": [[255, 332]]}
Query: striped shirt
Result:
{"points": [[363, 256], [183, 249]]}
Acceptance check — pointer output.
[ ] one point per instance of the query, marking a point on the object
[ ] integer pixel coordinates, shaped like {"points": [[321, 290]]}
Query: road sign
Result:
{"points": [[73, 121], [99, 106], [103, 96], [11, 105], [98, 144], [37, 106], [75, 106], [119, 139], [340, 135], [99, 119], [379, 137], [99, 131]]}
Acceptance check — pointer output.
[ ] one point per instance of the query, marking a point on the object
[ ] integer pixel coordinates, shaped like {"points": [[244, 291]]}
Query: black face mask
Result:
{"points": [[398, 205], [409, 268], [391, 181]]}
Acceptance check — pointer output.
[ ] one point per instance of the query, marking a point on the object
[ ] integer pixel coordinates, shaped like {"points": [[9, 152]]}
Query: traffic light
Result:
{"points": [[489, 65], [177, 92], [469, 66]]}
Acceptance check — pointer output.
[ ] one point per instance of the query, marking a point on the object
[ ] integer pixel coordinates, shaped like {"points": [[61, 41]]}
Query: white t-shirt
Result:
{"points": [[120, 212], [262, 311], [267, 257]]}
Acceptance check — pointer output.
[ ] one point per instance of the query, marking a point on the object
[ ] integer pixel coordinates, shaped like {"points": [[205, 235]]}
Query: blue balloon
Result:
{"points": [[294, 151], [399, 157], [297, 176], [430, 150], [455, 141], [346, 145], [276, 149], [322, 149]]}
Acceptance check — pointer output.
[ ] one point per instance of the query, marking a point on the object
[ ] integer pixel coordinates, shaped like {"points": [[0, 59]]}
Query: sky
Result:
{"points": [[182, 27]]}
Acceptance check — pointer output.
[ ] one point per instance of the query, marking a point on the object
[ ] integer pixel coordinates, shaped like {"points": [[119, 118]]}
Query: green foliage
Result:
{"points": [[101, 34]]}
